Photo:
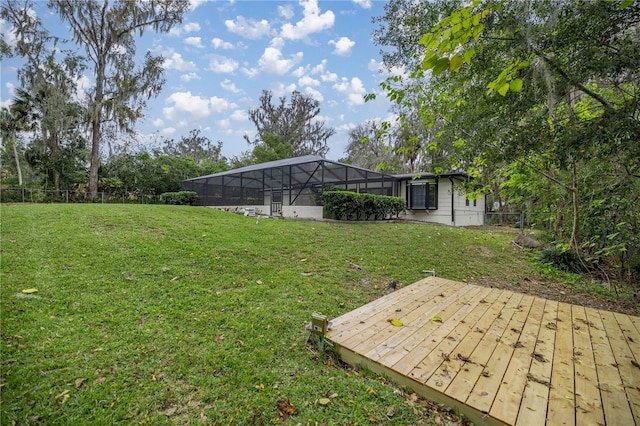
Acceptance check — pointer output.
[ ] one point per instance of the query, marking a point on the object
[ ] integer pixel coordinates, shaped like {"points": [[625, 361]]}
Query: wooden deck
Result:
{"points": [[499, 357]]}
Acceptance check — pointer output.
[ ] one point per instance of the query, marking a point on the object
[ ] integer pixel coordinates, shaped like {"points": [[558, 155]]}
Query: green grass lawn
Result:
{"points": [[168, 314]]}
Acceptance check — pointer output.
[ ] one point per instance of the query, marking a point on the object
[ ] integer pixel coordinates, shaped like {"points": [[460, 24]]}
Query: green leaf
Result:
{"points": [[516, 85], [426, 39], [469, 54], [625, 4], [430, 62], [503, 89], [441, 65], [456, 62]]}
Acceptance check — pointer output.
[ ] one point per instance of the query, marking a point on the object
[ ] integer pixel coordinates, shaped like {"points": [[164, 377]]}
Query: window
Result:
{"points": [[422, 196]]}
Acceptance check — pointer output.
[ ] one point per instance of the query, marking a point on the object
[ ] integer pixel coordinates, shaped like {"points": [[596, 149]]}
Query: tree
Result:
{"points": [[45, 103], [553, 87], [295, 122], [107, 32], [370, 147], [195, 146]]}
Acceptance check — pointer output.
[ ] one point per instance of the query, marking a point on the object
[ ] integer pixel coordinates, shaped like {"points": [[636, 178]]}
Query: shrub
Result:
{"points": [[181, 198], [352, 205], [561, 258]]}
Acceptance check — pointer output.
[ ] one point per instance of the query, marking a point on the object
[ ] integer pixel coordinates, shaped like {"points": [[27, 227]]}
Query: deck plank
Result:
{"points": [[417, 325], [483, 394], [629, 373], [420, 366], [444, 375], [499, 357], [616, 407], [587, 393], [461, 386], [533, 410], [370, 320], [561, 409], [413, 315], [509, 395]]}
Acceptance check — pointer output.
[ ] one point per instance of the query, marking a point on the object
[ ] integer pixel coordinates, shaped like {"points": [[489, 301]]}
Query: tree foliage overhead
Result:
{"points": [[294, 123], [546, 90]]}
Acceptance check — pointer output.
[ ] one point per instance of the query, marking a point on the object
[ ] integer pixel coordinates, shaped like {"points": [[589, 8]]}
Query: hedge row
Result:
{"points": [[181, 198], [352, 205]]}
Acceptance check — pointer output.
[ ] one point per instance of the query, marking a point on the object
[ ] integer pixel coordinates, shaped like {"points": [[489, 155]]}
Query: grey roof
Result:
{"points": [[429, 175], [286, 162]]}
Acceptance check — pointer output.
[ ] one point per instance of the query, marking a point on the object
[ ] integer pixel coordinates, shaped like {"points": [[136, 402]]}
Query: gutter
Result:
{"points": [[453, 213]]}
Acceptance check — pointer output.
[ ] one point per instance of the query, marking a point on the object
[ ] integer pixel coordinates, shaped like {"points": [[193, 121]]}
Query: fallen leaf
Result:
{"points": [[391, 411], [259, 282], [63, 393], [219, 337], [30, 290], [165, 269], [174, 278], [436, 318], [80, 382], [285, 408], [538, 357], [324, 401], [438, 420], [551, 326], [333, 395], [395, 322], [101, 379]]}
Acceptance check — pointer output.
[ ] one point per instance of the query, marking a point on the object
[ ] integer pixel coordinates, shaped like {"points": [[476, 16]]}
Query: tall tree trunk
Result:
{"points": [[573, 242], [95, 157], [18, 168]]}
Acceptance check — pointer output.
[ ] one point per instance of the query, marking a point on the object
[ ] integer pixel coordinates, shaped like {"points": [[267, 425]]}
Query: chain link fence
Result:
{"points": [[31, 195], [514, 220]]}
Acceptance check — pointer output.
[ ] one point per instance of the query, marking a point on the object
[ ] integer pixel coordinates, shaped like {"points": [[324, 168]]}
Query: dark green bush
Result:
{"points": [[352, 205], [181, 198], [562, 258]]}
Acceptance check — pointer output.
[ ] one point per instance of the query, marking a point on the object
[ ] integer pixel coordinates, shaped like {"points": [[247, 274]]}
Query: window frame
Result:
{"points": [[430, 195]]}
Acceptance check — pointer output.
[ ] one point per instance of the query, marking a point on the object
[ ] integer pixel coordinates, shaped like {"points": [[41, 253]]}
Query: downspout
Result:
{"points": [[453, 212]]}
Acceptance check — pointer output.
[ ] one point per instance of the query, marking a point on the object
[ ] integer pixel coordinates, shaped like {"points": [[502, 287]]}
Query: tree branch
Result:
{"points": [[575, 83]]}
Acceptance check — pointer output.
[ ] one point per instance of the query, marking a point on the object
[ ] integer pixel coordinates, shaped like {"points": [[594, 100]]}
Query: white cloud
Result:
{"points": [[280, 89], [230, 86], [168, 131], [315, 94], [193, 4], [308, 81], [158, 122], [189, 76], [222, 64], [352, 89], [300, 71], [343, 46], [239, 115], [248, 28], [286, 11], [175, 62], [185, 107], [189, 27], [250, 72], [329, 77], [194, 41], [365, 4], [8, 34], [381, 68], [312, 22], [218, 43], [272, 61]]}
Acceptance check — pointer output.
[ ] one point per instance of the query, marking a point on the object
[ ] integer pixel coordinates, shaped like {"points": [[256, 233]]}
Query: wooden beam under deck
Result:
{"points": [[499, 357]]}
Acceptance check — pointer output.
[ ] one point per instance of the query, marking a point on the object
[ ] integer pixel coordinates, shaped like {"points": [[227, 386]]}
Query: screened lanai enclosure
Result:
{"points": [[289, 188]]}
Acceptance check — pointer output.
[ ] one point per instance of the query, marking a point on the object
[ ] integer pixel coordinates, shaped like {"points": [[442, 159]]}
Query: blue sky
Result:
{"points": [[226, 52]]}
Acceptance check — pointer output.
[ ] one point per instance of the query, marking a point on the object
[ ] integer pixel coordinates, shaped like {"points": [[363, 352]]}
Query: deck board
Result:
{"points": [[499, 357]]}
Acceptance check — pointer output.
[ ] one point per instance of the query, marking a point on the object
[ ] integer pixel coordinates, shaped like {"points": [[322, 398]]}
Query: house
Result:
{"points": [[292, 187]]}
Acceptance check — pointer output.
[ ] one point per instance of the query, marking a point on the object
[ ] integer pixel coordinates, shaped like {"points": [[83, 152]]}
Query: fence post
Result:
{"points": [[102, 196]]}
